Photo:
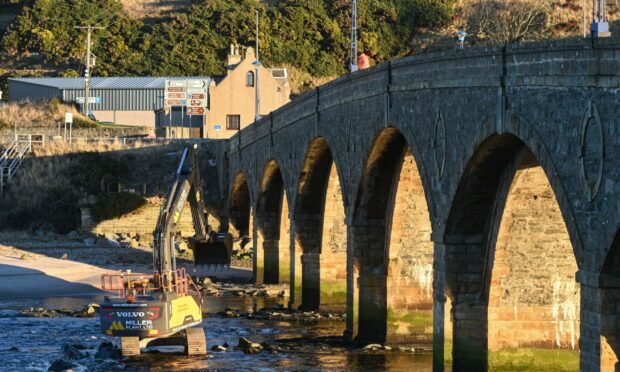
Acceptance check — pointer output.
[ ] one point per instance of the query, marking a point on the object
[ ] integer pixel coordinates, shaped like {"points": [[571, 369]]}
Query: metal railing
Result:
{"points": [[128, 285], [12, 157]]}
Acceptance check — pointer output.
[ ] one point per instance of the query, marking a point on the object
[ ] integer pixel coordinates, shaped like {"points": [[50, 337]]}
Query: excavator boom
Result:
{"points": [[209, 248]]}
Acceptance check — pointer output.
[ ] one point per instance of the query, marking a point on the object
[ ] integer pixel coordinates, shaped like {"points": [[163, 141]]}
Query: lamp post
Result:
{"points": [[353, 61], [599, 26], [256, 66]]}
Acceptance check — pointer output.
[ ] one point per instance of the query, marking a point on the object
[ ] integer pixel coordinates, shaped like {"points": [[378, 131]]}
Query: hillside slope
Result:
{"points": [[310, 37]]}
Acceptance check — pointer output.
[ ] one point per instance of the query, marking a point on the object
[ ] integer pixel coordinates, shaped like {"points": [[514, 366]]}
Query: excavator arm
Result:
{"points": [[209, 248]]}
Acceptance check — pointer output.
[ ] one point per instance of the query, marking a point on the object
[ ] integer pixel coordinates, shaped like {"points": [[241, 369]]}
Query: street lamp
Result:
{"points": [[353, 61], [599, 26], [256, 64]]}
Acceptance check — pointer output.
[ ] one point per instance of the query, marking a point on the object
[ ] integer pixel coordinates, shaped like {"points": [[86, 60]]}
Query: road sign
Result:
{"points": [[90, 100], [196, 83], [218, 127], [176, 95], [195, 111], [192, 94]]}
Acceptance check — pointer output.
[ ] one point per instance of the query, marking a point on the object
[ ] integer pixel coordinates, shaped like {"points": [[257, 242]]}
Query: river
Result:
{"points": [[32, 344]]}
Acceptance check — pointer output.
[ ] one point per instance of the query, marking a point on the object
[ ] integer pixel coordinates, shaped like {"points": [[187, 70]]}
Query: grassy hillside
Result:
{"points": [[310, 37], [62, 178]]}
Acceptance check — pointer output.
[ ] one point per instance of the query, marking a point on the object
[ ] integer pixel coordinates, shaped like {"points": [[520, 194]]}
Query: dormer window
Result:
{"points": [[249, 79]]}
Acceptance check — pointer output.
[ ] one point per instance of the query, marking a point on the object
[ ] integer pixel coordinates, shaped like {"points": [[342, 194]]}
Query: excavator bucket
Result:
{"points": [[214, 252]]}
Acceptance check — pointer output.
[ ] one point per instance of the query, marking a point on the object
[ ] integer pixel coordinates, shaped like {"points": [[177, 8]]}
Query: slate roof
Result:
{"points": [[145, 82]]}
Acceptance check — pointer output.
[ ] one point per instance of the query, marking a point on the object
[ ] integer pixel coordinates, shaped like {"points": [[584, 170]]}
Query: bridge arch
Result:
{"points": [[240, 206], [609, 282], [510, 262], [393, 252], [320, 231], [272, 222]]}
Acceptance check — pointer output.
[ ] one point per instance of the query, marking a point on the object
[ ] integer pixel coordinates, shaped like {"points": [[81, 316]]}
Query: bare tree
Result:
{"points": [[505, 21]]}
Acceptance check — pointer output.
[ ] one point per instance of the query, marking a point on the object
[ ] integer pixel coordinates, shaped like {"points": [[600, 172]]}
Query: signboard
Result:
{"points": [[174, 93], [218, 127], [192, 94], [195, 111], [90, 100], [175, 102], [68, 117]]}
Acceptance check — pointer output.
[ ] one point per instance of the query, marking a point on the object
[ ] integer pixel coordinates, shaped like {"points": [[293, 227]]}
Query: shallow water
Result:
{"points": [[39, 340]]}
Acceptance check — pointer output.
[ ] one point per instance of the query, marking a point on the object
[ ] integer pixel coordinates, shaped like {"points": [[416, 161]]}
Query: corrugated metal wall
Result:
{"points": [[120, 99], [19, 91]]}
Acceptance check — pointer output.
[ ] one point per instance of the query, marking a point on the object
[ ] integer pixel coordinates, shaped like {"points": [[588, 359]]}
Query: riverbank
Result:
{"points": [[72, 265]]}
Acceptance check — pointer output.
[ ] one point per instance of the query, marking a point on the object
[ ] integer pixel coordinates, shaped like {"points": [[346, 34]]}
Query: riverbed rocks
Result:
{"points": [[296, 315], [209, 287], [108, 350], [40, 312], [249, 347], [61, 365], [88, 311], [218, 348], [72, 352]]}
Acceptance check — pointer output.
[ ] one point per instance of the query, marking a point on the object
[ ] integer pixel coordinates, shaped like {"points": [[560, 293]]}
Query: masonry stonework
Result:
{"points": [[534, 298], [410, 266], [467, 116], [333, 257]]}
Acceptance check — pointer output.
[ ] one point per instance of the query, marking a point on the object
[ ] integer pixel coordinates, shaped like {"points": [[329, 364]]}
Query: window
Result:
{"points": [[249, 79], [233, 122]]}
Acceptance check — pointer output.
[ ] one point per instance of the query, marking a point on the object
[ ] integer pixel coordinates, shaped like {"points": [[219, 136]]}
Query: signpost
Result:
{"points": [[217, 130], [69, 121], [190, 95]]}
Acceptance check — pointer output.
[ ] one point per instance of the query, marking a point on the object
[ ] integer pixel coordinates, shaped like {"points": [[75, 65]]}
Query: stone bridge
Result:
{"points": [[465, 201]]}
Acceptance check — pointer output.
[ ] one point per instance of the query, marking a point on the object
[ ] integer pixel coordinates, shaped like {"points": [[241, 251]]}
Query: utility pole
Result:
{"points": [[353, 61], [256, 66], [89, 65], [585, 18]]}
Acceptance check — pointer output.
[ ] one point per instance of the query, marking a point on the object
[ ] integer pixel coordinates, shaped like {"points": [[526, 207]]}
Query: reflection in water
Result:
{"points": [[32, 343]]}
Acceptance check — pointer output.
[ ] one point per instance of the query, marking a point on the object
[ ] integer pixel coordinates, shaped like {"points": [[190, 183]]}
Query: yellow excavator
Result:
{"points": [[165, 308]]}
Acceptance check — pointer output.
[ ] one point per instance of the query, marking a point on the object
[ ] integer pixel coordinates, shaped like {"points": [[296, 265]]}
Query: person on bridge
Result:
{"points": [[363, 61]]}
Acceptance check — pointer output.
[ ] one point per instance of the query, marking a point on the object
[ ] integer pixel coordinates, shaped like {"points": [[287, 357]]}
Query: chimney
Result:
{"points": [[234, 57]]}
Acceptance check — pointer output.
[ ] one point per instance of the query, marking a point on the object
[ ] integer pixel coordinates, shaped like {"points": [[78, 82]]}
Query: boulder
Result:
{"points": [[70, 352], [61, 365], [108, 350], [218, 348], [372, 347], [249, 347], [110, 236], [108, 243], [89, 242]]}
